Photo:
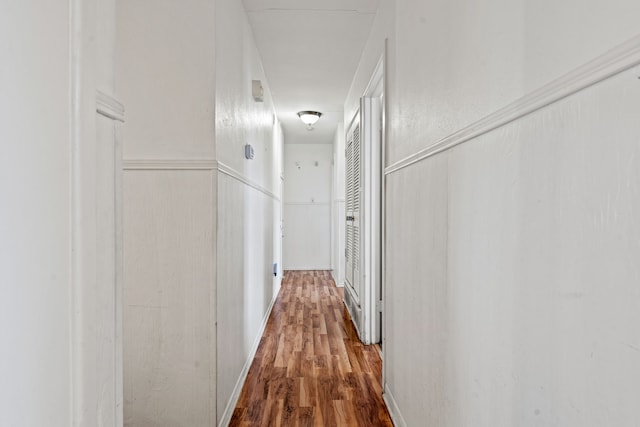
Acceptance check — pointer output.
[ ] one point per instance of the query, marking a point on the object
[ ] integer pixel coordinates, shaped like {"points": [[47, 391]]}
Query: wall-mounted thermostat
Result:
{"points": [[248, 152]]}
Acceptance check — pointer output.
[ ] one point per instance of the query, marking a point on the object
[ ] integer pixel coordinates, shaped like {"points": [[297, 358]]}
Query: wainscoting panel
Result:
{"points": [[169, 295], [246, 285]]}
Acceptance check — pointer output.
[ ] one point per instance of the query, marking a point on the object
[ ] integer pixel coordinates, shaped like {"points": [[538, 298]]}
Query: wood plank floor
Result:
{"points": [[310, 368]]}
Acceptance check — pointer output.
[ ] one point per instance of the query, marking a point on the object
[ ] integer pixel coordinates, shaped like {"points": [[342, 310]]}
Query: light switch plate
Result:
{"points": [[257, 91]]}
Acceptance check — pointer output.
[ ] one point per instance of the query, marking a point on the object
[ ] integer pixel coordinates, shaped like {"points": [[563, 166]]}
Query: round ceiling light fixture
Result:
{"points": [[309, 118]]}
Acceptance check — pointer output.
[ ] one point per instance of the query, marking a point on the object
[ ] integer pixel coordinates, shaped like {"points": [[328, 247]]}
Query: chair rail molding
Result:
{"points": [[169, 164], [196, 164], [109, 107], [612, 62]]}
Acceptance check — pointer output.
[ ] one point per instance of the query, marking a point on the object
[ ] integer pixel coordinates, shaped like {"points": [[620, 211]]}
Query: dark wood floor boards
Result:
{"points": [[310, 368]]}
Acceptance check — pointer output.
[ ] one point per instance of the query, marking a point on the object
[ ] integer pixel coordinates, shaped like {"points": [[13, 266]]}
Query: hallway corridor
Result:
{"points": [[310, 368]]}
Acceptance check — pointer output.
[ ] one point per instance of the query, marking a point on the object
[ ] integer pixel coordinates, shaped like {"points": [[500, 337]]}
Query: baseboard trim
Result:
{"points": [[354, 309], [235, 395], [335, 279], [392, 407], [616, 60]]}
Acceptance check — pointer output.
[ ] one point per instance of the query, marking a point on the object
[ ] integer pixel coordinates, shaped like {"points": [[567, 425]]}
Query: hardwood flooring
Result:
{"points": [[310, 368]]}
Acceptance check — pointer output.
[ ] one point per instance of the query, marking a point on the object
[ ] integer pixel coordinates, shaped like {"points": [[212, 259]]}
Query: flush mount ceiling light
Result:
{"points": [[309, 118]]}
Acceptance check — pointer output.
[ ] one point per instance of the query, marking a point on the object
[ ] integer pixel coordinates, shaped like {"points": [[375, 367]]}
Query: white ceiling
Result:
{"points": [[310, 50]]}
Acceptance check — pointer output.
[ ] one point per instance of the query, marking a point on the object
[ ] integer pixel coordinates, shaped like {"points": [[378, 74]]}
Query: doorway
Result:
{"points": [[363, 208]]}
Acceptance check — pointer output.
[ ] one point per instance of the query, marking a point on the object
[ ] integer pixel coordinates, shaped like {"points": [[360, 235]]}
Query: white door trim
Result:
{"points": [[363, 294], [373, 132]]}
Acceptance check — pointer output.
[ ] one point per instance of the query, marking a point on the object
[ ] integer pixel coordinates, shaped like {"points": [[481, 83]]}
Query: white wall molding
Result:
{"points": [[108, 106], [307, 203], [392, 406], [233, 400], [195, 164], [169, 164], [198, 164], [232, 173], [616, 60]]}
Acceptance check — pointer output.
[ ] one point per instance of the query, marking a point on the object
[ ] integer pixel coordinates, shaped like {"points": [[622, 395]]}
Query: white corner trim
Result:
{"points": [[232, 173], [235, 395], [392, 407], [108, 106], [169, 164], [614, 61]]}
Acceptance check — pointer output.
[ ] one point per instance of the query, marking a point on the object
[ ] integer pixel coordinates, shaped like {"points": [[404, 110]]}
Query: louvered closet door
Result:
{"points": [[352, 208], [349, 210]]}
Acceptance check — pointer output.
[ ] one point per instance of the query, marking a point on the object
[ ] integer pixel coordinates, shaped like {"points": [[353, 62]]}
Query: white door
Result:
{"points": [[353, 177], [363, 220]]}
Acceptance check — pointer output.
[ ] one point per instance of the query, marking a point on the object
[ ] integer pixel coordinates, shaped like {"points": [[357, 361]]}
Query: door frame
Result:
{"points": [[374, 120], [366, 308]]}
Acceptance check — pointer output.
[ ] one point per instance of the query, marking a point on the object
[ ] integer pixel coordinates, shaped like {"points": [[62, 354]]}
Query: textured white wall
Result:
{"points": [[59, 363], [168, 314], [165, 76], [545, 271], [35, 216], [166, 63], [526, 285], [382, 29], [511, 287], [459, 61], [307, 206], [201, 221], [249, 202]]}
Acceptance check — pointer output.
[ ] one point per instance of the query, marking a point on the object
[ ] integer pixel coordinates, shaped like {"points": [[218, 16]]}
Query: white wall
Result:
{"points": [[338, 213], [496, 51], [202, 223], [249, 203], [382, 29], [165, 76], [59, 186], [168, 295], [307, 206], [34, 180], [526, 285], [166, 63], [511, 281]]}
